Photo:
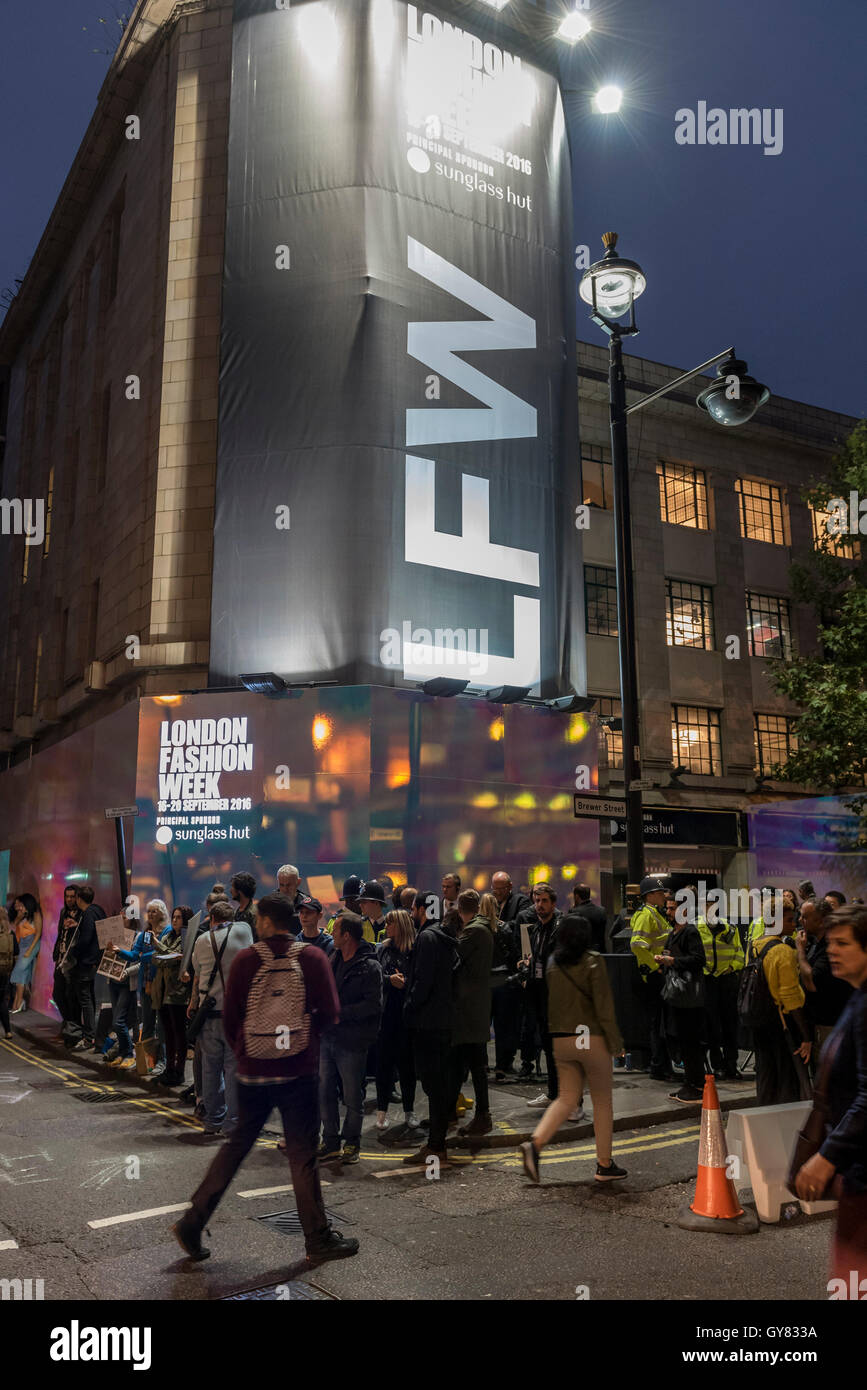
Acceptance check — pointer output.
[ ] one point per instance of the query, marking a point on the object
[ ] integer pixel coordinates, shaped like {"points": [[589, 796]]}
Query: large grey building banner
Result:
{"points": [[398, 468]]}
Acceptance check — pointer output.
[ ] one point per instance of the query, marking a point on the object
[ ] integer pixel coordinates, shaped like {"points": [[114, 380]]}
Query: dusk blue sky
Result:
{"points": [[766, 252]]}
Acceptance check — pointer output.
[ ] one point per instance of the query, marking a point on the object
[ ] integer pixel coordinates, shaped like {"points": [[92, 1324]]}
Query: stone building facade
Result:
{"points": [[112, 356], [717, 518]]}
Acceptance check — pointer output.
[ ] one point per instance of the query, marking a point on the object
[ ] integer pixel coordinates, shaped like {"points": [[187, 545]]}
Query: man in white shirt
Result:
{"points": [[210, 971]]}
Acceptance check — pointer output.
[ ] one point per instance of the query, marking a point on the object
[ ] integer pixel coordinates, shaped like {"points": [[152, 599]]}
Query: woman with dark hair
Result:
{"points": [[838, 1168], [170, 996], [28, 929], [394, 1052], [585, 1037]]}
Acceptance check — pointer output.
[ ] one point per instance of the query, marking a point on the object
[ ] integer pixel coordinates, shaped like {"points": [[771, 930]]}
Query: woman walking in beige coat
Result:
{"points": [[585, 1036]]}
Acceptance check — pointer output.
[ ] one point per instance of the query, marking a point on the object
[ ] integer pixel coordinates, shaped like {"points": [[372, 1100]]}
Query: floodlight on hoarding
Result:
{"points": [[608, 100], [574, 27]]}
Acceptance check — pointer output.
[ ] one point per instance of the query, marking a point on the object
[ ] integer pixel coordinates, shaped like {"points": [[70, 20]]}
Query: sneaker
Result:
{"points": [[610, 1174], [188, 1234], [540, 1102], [126, 1063], [382, 1120], [530, 1155], [577, 1117], [83, 1045], [333, 1246], [112, 1055], [350, 1153], [411, 1119], [420, 1157], [463, 1105], [329, 1153], [479, 1125], [687, 1095]]}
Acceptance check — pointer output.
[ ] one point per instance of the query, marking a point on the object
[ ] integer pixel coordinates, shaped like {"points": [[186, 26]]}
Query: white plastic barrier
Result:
{"points": [[764, 1140]]}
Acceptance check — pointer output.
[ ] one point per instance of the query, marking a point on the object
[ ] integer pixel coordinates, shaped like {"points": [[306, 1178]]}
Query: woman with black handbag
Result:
{"points": [[831, 1154], [683, 962]]}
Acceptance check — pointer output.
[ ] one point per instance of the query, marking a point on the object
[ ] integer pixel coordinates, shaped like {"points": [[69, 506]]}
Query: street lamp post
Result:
{"points": [[611, 287]]}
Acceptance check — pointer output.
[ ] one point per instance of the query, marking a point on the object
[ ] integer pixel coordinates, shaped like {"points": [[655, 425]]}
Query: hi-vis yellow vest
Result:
{"points": [[723, 951], [650, 931]]}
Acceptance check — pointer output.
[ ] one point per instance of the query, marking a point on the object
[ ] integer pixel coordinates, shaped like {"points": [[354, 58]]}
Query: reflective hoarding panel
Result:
{"points": [[322, 799], [397, 460]]}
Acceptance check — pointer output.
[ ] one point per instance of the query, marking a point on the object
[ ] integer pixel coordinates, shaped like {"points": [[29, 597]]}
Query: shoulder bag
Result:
{"points": [[206, 1008]]}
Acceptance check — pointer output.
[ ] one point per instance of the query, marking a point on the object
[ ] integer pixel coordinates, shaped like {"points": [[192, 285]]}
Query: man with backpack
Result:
{"points": [[771, 1005], [280, 997]]}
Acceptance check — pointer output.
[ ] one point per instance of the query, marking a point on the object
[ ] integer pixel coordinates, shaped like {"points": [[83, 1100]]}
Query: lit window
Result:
{"points": [[600, 601], [597, 481], [609, 710], [769, 630], [762, 511], [775, 740], [689, 615], [682, 495], [695, 740], [823, 539]]}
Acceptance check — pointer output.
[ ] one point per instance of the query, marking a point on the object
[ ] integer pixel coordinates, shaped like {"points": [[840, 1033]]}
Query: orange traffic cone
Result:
{"points": [[715, 1206]]}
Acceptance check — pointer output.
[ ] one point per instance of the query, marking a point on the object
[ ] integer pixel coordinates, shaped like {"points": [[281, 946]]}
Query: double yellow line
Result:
{"points": [[664, 1139]]}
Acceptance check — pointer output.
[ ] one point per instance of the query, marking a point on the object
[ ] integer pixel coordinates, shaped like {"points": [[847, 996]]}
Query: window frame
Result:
{"points": [[714, 746], [705, 602], [607, 589], [700, 496]]}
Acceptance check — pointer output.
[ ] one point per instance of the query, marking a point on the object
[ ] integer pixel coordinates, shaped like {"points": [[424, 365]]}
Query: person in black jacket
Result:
{"points": [[70, 916], [85, 956], [593, 913], [841, 1160], [395, 1045], [427, 1012], [542, 919], [509, 903], [343, 1052], [684, 953]]}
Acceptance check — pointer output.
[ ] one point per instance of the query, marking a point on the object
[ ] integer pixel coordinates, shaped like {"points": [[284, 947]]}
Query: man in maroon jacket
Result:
{"points": [[291, 1083]]}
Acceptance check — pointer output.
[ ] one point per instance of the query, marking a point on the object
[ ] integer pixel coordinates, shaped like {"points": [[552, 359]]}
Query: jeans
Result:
{"points": [[64, 998], [122, 1001], [473, 1058], [299, 1111], [174, 1020], [151, 1026], [349, 1066], [219, 1078], [506, 1018], [81, 993], [431, 1049], [395, 1052]]}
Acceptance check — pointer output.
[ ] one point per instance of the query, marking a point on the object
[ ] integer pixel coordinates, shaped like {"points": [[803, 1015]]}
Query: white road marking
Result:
{"points": [[8, 1244], [136, 1216], [269, 1191]]}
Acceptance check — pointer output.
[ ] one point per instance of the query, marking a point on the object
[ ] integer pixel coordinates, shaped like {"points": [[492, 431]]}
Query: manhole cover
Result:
{"points": [[291, 1291], [288, 1223]]}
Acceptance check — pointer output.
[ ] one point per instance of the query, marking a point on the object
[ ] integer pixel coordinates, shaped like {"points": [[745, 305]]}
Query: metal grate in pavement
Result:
{"points": [[288, 1223], [95, 1097], [292, 1291]]}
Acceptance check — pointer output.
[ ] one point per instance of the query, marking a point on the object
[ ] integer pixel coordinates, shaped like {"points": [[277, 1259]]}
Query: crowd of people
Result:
{"points": [[405, 989]]}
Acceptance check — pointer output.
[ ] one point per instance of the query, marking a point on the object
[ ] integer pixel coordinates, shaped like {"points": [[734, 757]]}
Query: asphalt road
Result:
{"points": [[87, 1171]]}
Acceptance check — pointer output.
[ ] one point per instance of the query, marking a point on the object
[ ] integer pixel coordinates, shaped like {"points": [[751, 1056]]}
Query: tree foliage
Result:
{"points": [[831, 685]]}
